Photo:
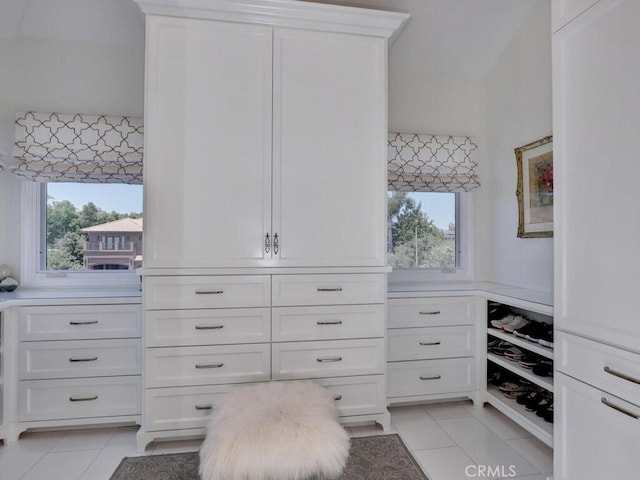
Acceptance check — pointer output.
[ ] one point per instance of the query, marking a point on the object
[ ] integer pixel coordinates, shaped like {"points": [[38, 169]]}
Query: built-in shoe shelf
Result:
{"points": [[531, 422]]}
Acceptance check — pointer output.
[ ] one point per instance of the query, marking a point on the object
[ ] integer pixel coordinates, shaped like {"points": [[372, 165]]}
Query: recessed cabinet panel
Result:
{"points": [[208, 141], [330, 133], [77, 322], [427, 343], [428, 377], [431, 312], [596, 104]]}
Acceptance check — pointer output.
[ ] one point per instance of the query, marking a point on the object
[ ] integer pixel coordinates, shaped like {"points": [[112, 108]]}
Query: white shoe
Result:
{"points": [[502, 321], [517, 323]]}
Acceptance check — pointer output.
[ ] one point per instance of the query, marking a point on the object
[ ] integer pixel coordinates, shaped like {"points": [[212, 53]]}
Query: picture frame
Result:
{"points": [[535, 188]]}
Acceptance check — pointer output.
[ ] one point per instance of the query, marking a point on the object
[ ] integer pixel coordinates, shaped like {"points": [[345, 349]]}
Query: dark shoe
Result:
{"points": [[543, 369], [546, 337]]}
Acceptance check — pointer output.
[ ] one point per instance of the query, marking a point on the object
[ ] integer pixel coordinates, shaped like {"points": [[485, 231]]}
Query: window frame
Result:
{"points": [[463, 271], [33, 273]]}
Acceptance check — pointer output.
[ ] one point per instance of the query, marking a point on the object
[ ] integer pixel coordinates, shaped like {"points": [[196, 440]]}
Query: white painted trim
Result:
{"points": [[284, 13]]}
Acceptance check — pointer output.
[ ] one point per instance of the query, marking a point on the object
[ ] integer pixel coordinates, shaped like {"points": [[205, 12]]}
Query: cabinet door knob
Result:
{"points": [[621, 375]]}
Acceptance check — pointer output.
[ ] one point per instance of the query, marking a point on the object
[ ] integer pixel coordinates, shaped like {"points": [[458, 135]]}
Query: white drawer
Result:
{"points": [[298, 360], [175, 292], [78, 398], [431, 312], [330, 322], [182, 366], [164, 328], [426, 377], [179, 408], [77, 322], [361, 395], [431, 342], [333, 289], [79, 358], [602, 366]]}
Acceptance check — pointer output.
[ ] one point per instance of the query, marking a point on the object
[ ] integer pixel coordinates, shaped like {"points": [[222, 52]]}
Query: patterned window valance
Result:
{"points": [[432, 163], [53, 147]]}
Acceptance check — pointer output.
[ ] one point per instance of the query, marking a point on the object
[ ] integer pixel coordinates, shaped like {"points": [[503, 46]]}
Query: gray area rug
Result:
{"points": [[381, 457]]}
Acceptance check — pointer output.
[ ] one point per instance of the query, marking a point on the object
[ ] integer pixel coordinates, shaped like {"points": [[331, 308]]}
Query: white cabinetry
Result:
{"points": [[596, 103], [250, 171], [78, 364], [431, 348], [265, 126]]}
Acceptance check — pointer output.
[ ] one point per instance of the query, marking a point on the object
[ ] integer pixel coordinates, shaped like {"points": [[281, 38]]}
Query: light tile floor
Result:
{"points": [[451, 441]]}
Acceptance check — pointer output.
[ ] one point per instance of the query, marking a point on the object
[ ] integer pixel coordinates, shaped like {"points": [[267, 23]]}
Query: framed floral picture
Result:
{"points": [[535, 188]]}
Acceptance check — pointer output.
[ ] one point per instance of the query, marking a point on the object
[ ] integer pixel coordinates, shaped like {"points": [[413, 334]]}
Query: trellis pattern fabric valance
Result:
{"points": [[432, 163], [53, 147]]}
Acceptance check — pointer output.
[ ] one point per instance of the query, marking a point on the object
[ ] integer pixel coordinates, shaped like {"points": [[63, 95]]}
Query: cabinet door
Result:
{"points": [[596, 124], [207, 143], [329, 177], [596, 434]]}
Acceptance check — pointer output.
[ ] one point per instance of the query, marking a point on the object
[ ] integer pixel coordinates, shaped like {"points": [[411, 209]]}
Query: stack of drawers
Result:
{"points": [[431, 345], [205, 334], [331, 328], [79, 362]]}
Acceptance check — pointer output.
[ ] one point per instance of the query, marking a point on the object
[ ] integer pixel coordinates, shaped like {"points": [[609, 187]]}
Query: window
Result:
{"points": [[79, 232], [427, 235]]}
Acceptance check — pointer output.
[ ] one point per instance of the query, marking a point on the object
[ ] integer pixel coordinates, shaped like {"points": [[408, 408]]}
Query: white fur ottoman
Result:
{"points": [[274, 431]]}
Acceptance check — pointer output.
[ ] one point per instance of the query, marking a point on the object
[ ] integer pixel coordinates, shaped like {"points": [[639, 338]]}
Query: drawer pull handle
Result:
{"points": [[209, 365], [89, 359], [425, 344], [209, 327], [337, 397], [334, 322], [624, 376], [430, 312], [434, 377], [620, 409], [329, 289], [329, 359], [204, 407], [88, 322], [209, 292], [83, 399]]}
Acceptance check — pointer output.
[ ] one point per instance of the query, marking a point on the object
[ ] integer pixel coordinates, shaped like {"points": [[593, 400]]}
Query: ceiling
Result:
{"points": [[452, 37]]}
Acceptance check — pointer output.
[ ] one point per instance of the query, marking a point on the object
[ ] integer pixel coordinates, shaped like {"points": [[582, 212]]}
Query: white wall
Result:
{"points": [[518, 112], [60, 76]]}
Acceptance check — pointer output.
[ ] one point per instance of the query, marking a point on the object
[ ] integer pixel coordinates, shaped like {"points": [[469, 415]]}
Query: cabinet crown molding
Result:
{"points": [[285, 13]]}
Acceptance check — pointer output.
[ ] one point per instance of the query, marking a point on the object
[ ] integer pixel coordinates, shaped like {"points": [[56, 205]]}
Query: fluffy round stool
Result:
{"points": [[277, 430]]}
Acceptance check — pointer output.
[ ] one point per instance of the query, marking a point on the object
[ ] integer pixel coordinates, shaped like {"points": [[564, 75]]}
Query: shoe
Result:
{"points": [[543, 369], [518, 322], [548, 414], [544, 406], [511, 387], [500, 348], [500, 322], [514, 354], [528, 361], [546, 337], [498, 310], [532, 331], [539, 400]]}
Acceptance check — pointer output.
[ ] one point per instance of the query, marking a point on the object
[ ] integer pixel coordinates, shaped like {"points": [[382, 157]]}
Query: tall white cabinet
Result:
{"points": [[265, 204], [596, 102]]}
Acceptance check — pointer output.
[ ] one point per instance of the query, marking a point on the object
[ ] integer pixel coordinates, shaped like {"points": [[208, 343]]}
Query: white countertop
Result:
{"points": [[61, 296]]}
